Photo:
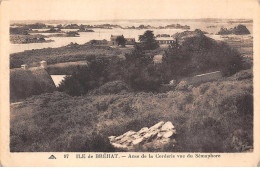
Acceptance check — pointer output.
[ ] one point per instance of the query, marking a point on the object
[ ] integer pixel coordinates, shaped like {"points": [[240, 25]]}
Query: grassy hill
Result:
{"points": [[69, 53], [25, 83], [213, 117]]}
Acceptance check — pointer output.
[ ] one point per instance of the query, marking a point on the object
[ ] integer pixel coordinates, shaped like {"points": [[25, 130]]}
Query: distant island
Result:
{"points": [[25, 39], [238, 30], [87, 28], [66, 34], [171, 26]]}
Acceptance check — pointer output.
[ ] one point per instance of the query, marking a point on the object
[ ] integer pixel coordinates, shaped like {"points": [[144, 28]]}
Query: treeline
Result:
{"points": [[197, 54]]}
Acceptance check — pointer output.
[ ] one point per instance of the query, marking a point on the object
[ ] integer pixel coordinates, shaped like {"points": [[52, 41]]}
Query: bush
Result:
{"points": [[183, 85], [199, 54], [113, 87], [140, 72]]}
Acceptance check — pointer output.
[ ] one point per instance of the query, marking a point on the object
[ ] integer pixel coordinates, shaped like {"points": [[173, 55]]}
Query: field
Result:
{"points": [[220, 110], [243, 44], [66, 68], [70, 53]]}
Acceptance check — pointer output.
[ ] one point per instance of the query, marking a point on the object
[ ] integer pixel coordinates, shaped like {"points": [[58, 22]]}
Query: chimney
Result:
{"points": [[43, 64], [24, 66]]}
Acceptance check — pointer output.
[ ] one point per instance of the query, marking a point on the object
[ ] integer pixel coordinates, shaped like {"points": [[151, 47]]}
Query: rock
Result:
{"points": [[129, 133], [157, 138], [143, 130], [150, 135], [167, 126], [156, 126], [112, 138], [116, 145], [168, 134], [137, 141]]}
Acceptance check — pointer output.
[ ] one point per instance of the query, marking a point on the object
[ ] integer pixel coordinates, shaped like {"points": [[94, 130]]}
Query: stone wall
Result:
{"points": [[204, 78]]}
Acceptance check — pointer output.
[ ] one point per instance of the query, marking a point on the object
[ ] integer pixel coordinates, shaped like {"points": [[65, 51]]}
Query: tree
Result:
{"points": [[140, 72], [148, 40], [200, 54], [86, 78], [120, 40], [99, 71]]}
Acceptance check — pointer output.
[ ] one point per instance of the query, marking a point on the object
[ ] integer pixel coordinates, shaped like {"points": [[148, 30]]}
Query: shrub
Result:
{"points": [[183, 85], [113, 87], [198, 54]]}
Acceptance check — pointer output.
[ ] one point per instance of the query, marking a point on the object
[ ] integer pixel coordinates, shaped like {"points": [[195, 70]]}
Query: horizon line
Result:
{"points": [[131, 19]]}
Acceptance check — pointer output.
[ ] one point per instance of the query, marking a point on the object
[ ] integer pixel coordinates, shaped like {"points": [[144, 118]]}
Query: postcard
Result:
{"points": [[108, 83]]}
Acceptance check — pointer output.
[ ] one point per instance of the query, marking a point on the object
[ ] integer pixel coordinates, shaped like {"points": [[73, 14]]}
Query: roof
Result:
{"points": [[25, 83], [164, 38]]}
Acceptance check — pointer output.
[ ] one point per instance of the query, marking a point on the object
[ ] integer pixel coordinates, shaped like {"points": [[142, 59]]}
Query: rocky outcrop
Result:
{"points": [[25, 39], [156, 138], [238, 30]]}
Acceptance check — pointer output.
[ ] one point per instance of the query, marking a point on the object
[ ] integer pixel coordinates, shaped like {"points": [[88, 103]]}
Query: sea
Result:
{"points": [[211, 26]]}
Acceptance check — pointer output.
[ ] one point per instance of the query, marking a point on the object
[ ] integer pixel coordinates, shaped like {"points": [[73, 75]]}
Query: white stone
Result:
{"points": [[167, 126], [150, 134], [156, 126], [145, 129], [116, 145], [111, 138], [168, 134], [137, 141]]}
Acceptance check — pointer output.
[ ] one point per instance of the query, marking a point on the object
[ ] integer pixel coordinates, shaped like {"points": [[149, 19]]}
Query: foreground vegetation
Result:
{"points": [[213, 117], [110, 95]]}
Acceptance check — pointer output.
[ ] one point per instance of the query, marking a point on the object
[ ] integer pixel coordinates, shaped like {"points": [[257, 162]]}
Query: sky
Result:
{"points": [[129, 9]]}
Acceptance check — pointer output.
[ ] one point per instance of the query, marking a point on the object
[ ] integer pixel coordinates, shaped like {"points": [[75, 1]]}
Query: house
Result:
{"points": [[130, 41], [164, 40], [113, 39]]}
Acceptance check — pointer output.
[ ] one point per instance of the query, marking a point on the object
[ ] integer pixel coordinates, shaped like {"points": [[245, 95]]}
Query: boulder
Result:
{"points": [[156, 138]]}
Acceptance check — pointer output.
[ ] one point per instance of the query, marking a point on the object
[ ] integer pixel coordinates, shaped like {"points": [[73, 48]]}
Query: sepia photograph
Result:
{"points": [[131, 76]]}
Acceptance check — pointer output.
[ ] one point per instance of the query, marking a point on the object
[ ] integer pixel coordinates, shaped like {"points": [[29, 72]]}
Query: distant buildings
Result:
{"points": [[113, 39], [129, 41], [165, 40], [161, 39]]}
